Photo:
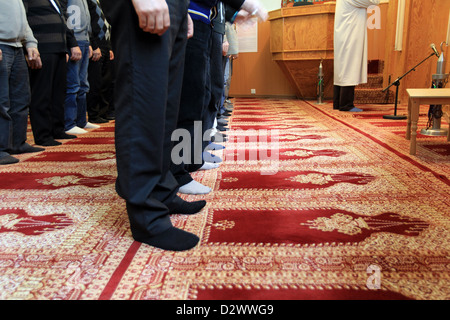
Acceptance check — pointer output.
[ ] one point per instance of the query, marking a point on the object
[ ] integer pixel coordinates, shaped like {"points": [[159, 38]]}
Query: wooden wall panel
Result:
{"points": [[377, 37], [426, 22]]}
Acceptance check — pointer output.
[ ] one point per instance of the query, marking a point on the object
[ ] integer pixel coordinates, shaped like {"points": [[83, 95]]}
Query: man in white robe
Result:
{"points": [[350, 51]]}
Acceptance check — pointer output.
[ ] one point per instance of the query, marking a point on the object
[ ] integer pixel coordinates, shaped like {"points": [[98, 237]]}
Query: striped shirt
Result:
{"points": [[49, 26]]}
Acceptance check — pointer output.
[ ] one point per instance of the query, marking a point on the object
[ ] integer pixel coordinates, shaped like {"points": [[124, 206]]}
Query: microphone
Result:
{"points": [[433, 46]]}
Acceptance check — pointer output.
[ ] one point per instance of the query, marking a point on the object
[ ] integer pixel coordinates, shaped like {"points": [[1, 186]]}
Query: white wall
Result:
{"points": [[271, 4]]}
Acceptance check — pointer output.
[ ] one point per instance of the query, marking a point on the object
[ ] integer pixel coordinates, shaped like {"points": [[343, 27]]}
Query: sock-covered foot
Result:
{"points": [[215, 146], [194, 187], [209, 157], [26, 148], [355, 109], [209, 166], [8, 160], [51, 143], [172, 239], [65, 136], [180, 206]]}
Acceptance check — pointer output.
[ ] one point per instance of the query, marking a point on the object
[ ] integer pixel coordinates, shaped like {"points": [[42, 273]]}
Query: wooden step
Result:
{"points": [[373, 81], [374, 96]]}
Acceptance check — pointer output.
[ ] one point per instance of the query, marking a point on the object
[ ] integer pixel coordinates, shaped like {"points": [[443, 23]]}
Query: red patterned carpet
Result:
{"points": [[309, 203]]}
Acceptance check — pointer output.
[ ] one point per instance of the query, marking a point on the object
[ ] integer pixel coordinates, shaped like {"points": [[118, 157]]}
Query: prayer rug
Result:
{"points": [[309, 204]]}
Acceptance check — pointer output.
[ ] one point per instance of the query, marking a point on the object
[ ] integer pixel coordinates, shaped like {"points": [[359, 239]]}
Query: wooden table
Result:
{"points": [[419, 97]]}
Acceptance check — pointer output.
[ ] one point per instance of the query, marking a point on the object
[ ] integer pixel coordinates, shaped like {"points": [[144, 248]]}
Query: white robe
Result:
{"points": [[350, 42]]}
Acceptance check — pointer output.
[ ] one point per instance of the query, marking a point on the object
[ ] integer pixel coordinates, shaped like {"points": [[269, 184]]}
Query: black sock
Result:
{"points": [[180, 206], [27, 149], [173, 239], [51, 143], [8, 160]]}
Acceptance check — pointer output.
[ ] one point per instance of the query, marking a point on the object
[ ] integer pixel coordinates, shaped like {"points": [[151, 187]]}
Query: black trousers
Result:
{"points": [[48, 91], [149, 73], [214, 98], [195, 93], [101, 86], [343, 98]]}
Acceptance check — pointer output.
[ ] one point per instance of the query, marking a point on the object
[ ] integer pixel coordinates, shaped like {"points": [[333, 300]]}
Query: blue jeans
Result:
{"points": [[77, 88], [14, 99]]}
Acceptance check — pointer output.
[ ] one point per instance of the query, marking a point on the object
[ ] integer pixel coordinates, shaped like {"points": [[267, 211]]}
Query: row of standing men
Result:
{"points": [[70, 72], [168, 75], [176, 40]]}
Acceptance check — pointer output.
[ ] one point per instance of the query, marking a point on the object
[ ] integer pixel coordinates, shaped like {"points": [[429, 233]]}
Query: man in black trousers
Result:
{"points": [[100, 72], [48, 85], [201, 91], [149, 41], [149, 46]]}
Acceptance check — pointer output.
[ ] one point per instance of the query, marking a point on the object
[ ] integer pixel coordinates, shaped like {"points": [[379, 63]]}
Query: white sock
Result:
{"points": [[213, 132], [194, 187], [209, 165], [91, 126]]}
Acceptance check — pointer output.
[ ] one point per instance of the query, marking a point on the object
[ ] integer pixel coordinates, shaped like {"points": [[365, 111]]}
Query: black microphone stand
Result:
{"points": [[397, 84]]}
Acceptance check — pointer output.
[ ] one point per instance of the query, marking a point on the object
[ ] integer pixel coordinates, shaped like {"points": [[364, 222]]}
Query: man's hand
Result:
{"points": [[153, 15], [75, 54], [225, 47], [242, 16], [33, 58], [96, 55], [190, 33], [1, 55], [255, 9]]}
